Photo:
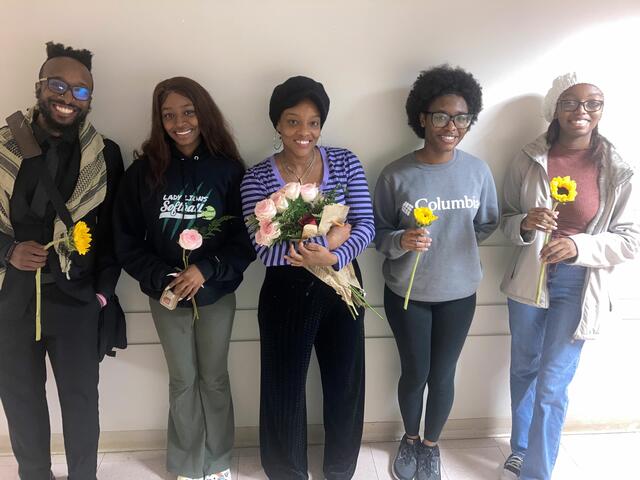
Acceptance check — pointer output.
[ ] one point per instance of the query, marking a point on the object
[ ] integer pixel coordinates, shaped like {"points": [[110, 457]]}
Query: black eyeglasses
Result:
{"points": [[588, 105], [60, 87], [442, 119]]}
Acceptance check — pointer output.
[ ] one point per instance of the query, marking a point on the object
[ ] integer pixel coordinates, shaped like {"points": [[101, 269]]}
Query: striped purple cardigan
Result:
{"points": [[341, 169]]}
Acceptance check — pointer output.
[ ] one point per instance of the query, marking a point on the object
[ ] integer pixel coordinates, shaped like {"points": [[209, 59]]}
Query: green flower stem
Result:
{"points": [[357, 293], [185, 261], [413, 274], [39, 293], [543, 267]]}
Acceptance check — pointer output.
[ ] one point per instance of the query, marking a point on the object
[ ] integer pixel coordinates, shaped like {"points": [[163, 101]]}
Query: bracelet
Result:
{"points": [[7, 257]]}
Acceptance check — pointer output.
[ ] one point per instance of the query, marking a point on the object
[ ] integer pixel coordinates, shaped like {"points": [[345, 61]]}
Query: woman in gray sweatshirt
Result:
{"points": [[458, 187]]}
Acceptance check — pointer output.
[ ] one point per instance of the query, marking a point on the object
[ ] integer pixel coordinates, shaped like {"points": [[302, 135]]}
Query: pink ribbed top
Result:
{"points": [[574, 217]]}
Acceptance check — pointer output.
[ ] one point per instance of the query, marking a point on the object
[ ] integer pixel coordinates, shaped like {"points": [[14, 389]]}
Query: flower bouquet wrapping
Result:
{"points": [[563, 190], [299, 212], [75, 239]]}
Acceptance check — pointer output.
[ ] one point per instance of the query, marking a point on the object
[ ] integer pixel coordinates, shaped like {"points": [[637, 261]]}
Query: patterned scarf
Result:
{"points": [[89, 192]]}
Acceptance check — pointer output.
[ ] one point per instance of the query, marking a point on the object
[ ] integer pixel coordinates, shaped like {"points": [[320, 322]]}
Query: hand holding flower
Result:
{"points": [[190, 239], [187, 283], [539, 218], [563, 190], [310, 254], [76, 239], [415, 239], [28, 256], [558, 250]]}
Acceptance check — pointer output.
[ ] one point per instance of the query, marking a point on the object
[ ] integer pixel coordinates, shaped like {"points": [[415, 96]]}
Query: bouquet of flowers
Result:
{"points": [[563, 190], [76, 239], [299, 212]]}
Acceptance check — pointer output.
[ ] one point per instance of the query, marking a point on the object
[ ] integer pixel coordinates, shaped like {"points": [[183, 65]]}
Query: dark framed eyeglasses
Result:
{"points": [[572, 105], [442, 119], [59, 87]]}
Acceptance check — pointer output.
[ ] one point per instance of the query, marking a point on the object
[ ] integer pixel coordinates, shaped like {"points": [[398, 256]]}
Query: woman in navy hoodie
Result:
{"points": [[188, 177]]}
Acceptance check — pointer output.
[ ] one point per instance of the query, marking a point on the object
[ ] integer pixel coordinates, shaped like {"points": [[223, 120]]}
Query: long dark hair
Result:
{"points": [[596, 144], [213, 127]]}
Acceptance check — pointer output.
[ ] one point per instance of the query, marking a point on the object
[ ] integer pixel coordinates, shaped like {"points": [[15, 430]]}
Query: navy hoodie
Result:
{"points": [[148, 223]]}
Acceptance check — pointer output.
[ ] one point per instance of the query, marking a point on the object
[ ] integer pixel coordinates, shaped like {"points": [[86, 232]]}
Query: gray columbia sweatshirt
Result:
{"points": [[462, 193]]}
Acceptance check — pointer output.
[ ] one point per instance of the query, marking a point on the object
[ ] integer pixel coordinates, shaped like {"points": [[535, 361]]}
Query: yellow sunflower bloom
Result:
{"points": [[81, 238], [563, 189], [424, 216]]}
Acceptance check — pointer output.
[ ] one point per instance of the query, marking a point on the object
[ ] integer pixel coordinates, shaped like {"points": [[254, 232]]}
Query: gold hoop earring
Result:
{"points": [[277, 141]]}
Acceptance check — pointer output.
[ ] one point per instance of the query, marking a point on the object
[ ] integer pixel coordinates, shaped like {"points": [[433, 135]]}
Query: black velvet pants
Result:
{"points": [[70, 339], [297, 312]]}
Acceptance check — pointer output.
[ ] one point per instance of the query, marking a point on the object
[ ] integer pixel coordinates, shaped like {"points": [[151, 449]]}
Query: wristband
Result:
{"points": [[12, 247], [102, 299]]}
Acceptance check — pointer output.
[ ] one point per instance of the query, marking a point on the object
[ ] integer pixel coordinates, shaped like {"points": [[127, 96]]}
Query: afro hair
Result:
{"points": [[55, 50], [439, 81]]}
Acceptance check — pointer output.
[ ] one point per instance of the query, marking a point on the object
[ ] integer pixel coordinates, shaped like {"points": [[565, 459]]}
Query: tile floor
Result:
{"points": [[582, 457]]}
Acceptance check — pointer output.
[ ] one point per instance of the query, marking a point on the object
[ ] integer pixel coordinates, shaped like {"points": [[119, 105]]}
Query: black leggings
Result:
{"points": [[430, 336], [296, 313]]}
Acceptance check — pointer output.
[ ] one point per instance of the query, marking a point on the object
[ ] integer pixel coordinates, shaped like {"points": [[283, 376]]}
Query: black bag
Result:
{"points": [[112, 329]]}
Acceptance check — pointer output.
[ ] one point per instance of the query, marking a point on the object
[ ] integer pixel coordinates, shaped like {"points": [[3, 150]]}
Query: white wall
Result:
{"points": [[367, 54]]}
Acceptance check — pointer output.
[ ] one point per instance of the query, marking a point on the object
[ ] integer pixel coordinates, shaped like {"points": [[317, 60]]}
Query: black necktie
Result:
{"points": [[40, 198]]}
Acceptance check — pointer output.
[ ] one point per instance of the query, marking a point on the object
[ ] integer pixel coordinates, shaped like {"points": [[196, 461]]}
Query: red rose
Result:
{"points": [[307, 219]]}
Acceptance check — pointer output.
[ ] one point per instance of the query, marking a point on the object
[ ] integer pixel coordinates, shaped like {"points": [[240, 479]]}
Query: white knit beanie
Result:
{"points": [[560, 84]]}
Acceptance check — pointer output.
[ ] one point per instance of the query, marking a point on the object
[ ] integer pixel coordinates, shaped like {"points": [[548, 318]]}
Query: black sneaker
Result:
{"points": [[405, 463], [512, 467], [428, 462]]}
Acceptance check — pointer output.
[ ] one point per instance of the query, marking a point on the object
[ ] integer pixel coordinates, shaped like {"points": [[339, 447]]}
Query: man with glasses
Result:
{"points": [[55, 170]]}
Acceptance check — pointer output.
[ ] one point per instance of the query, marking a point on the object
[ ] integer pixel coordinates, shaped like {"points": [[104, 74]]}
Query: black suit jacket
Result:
{"points": [[95, 272]]}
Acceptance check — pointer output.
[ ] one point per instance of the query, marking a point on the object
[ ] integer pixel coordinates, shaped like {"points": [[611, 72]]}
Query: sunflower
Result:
{"points": [[563, 189], [424, 216], [81, 238]]}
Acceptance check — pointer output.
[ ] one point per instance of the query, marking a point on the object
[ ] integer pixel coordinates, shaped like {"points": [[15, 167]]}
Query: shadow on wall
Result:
{"points": [[368, 132], [503, 129]]}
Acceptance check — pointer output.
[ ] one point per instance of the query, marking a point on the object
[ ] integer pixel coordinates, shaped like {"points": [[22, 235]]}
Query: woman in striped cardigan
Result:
{"points": [[296, 311]]}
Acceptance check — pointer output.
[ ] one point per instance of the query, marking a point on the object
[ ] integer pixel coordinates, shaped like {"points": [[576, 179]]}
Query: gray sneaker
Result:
{"points": [[405, 463], [428, 462]]}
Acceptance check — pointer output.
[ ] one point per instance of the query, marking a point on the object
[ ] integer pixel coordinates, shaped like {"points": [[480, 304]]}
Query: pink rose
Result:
{"points": [[265, 209], [190, 239], [267, 233], [291, 190], [309, 192], [280, 201]]}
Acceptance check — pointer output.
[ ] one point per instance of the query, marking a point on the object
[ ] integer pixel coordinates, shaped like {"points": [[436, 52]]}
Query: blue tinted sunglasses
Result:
{"points": [[58, 86]]}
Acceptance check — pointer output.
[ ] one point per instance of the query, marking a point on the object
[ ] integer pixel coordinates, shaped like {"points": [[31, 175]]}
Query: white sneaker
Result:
{"points": [[180, 477], [226, 475]]}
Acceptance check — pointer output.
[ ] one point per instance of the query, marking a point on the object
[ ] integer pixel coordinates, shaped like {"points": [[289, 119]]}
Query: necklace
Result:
{"points": [[306, 170]]}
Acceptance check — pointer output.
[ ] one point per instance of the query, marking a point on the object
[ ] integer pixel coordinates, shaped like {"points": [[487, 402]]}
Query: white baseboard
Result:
{"points": [[119, 441]]}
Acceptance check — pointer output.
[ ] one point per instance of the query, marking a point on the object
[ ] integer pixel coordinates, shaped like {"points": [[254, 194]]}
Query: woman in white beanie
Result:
{"points": [[589, 236]]}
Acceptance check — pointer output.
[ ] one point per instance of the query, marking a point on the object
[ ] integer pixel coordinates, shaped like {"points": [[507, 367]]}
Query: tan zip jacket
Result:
{"points": [[611, 238]]}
